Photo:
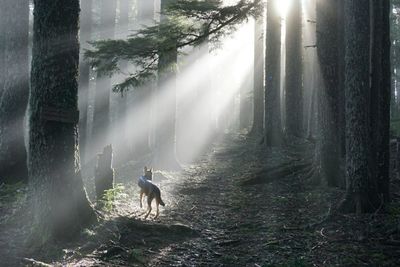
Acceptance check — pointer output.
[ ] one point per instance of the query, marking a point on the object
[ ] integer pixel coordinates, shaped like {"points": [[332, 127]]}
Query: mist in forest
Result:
{"points": [[199, 132]]}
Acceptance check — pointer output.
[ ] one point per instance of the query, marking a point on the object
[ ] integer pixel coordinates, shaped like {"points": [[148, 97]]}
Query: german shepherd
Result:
{"points": [[150, 190]]}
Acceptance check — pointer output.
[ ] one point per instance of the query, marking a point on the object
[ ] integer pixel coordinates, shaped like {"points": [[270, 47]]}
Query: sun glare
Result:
{"points": [[282, 7]]}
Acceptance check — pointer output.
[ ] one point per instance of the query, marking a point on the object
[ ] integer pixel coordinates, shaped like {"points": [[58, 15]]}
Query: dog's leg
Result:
{"points": [[149, 200], [141, 197], [157, 211]]}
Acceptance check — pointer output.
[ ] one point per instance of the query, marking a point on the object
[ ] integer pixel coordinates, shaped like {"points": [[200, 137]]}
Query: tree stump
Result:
{"points": [[104, 173]]}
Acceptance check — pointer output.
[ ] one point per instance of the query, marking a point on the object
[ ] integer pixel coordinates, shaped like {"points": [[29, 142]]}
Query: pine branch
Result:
{"points": [[189, 23]]}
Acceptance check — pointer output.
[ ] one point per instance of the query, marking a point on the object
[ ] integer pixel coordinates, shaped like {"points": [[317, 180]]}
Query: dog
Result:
{"points": [[150, 190]]}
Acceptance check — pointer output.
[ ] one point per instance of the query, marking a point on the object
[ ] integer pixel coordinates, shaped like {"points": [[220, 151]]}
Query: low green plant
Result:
{"points": [[110, 196]]}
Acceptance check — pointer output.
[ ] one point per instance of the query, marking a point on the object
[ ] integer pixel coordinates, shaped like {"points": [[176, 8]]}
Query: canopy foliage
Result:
{"points": [[189, 23]]}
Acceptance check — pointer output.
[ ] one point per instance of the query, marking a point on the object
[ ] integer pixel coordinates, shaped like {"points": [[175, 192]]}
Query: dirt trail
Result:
{"points": [[238, 226]]}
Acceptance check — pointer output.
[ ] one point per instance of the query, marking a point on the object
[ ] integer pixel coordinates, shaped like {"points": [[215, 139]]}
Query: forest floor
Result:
{"points": [[239, 205]]}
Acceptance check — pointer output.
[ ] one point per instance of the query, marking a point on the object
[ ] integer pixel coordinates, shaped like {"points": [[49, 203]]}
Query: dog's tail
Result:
{"points": [[158, 196], [161, 202]]}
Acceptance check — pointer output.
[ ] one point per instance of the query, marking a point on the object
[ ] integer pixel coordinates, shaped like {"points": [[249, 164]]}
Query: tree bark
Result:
{"points": [[383, 152], [258, 84], [59, 203], [273, 126], [84, 75], [361, 192], [328, 98], [294, 81], [2, 48], [15, 90]]}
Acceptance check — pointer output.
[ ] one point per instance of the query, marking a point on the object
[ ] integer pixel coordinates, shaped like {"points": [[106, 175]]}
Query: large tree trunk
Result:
{"points": [[59, 203], [294, 82], [258, 84], [101, 117], [361, 192], [383, 153], [328, 98], [2, 43], [273, 126], [84, 75], [15, 90], [341, 79], [165, 157]]}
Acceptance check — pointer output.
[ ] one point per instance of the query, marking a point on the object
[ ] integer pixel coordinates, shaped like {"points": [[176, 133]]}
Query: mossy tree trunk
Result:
{"points": [[165, 142], [329, 93], [293, 78], [15, 90], [273, 126], [59, 203], [84, 74]]}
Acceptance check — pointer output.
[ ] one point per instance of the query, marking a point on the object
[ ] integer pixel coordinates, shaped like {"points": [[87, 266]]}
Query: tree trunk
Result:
{"points": [[84, 75], [121, 114], [258, 85], [273, 127], [101, 116], [2, 48], [341, 79], [294, 82], [383, 152], [15, 91], [59, 203], [165, 157], [328, 99], [144, 93], [361, 194]]}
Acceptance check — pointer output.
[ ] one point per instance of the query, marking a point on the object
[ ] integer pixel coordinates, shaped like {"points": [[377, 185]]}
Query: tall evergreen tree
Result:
{"points": [[101, 116], [59, 203], [258, 85], [2, 42], [15, 89], [380, 95], [293, 78], [84, 74], [328, 98], [273, 126], [166, 102], [361, 189], [143, 94]]}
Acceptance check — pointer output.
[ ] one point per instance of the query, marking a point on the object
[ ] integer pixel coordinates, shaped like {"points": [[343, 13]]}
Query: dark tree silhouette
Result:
{"points": [[329, 93], [273, 126], [258, 85], [84, 74], [293, 78], [14, 89]]}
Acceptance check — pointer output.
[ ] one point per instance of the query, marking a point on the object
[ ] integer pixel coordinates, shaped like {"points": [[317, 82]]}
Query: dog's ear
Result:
{"points": [[145, 168]]}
